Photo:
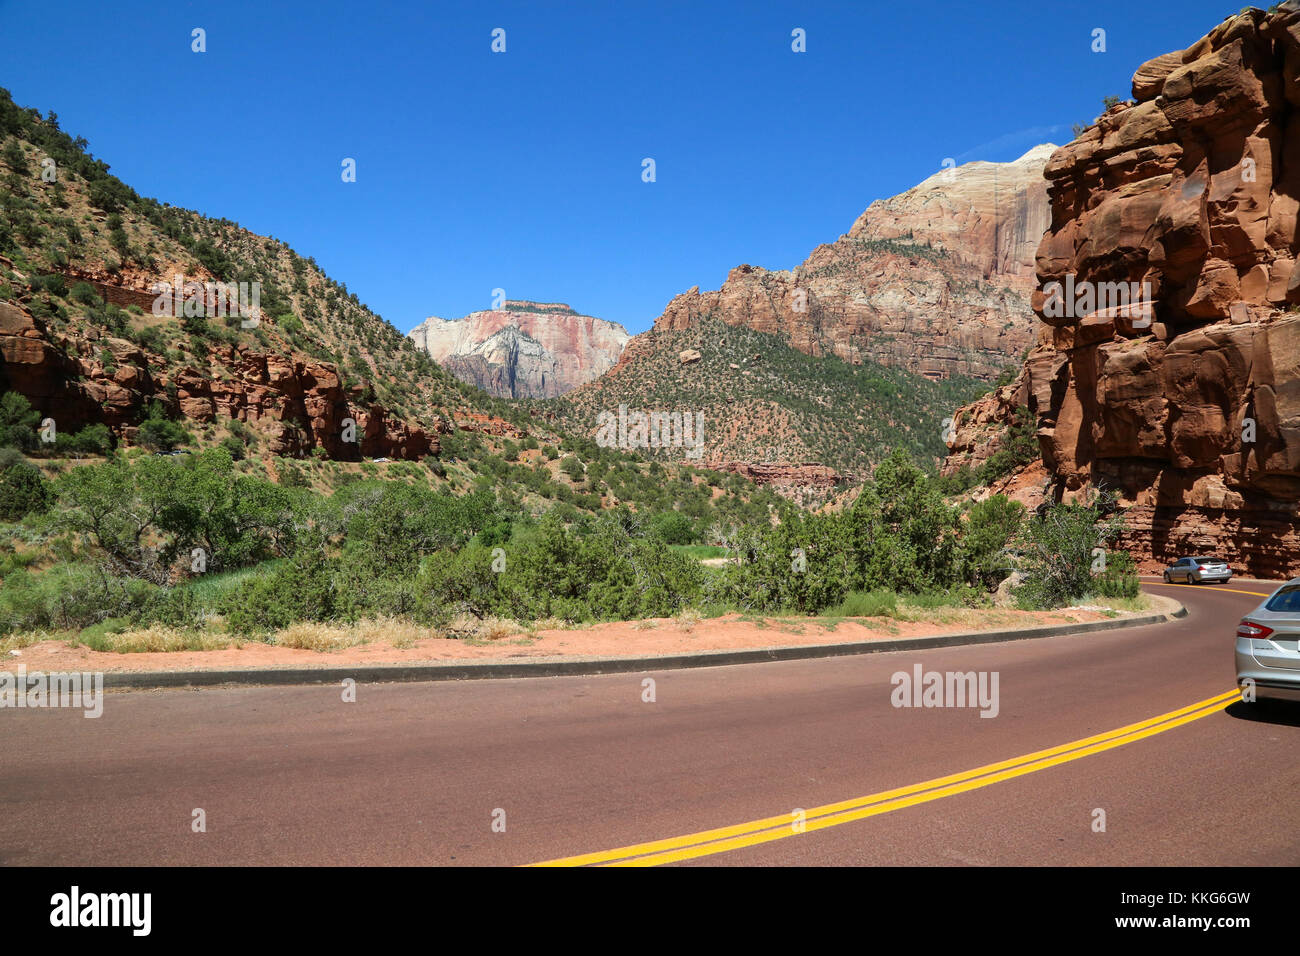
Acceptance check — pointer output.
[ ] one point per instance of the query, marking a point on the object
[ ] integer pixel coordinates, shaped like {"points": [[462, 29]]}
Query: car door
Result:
{"points": [[1282, 647]]}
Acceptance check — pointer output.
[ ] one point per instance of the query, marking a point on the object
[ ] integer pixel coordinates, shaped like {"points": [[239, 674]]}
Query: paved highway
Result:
{"points": [[1138, 723]]}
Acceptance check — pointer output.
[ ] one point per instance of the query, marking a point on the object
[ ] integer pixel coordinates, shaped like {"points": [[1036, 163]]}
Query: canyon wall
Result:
{"points": [[936, 280], [1188, 409], [525, 350]]}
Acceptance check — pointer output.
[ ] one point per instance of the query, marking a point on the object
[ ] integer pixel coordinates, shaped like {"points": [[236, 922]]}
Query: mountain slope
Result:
{"points": [[864, 347], [79, 253], [765, 402]]}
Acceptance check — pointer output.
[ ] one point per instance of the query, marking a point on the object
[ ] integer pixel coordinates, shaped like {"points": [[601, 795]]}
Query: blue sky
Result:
{"points": [[522, 170]]}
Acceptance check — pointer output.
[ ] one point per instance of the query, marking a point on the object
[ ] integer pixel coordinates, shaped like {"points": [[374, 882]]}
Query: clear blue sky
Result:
{"points": [[522, 170]]}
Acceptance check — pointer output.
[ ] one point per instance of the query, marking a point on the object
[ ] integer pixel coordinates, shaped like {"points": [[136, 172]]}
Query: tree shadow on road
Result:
{"points": [[1284, 712]]}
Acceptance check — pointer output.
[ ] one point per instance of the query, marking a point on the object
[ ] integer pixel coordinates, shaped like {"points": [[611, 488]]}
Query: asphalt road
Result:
{"points": [[420, 773]]}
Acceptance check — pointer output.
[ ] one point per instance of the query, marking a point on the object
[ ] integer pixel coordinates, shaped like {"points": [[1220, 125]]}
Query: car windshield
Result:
{"points": [[1287, 599], [1210, 560]]}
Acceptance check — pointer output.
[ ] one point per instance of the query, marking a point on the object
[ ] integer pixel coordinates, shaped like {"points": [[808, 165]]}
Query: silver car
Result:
{"points": [[1198, 570], [1267, 650]]}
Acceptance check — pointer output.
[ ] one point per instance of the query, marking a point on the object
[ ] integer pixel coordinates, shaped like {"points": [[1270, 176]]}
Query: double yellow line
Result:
{"points": [[708, 842]]}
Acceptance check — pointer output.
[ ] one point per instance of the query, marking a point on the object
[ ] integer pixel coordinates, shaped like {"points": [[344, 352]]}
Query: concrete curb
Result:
{"points": [[588, 666]]}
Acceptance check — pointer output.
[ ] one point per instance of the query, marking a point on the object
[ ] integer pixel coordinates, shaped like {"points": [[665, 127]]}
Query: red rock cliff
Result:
{"points": [[1192, 188], [302, 405]]}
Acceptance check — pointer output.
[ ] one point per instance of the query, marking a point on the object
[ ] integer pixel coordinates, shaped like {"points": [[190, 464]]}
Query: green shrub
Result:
{"points": [[94, 440], [1058, 551], [159, 433], [234, 447], [300, 589], [84, 293], [674, 527], [878, 603], [66, 596], [23, 489], [1019, 447], [990, 525], [1120, 579], [53, 283], [18, 422]]}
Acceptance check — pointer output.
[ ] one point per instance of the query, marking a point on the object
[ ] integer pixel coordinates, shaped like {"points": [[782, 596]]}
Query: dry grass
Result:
{"points": [[554, 624], [497, 628], [489, 630], [335, 637], [687, 620], [158, 638], [26, 639]]}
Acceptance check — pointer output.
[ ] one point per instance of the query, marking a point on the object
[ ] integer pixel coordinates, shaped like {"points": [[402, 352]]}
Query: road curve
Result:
{"points": [[527, 771]]}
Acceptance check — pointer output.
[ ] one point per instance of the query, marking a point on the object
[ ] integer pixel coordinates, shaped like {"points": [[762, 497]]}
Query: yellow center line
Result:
{"points": [[1202, 587], [722, 839]]}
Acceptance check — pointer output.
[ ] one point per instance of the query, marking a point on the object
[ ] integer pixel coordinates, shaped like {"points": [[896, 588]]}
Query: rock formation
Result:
{"points": [[524, 350], [90, 377], [1190, 409], [802, 483], [935, 280]]}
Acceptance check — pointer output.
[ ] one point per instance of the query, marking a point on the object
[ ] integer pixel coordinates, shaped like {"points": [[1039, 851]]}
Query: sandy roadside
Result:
{"points": [[661, 636]]}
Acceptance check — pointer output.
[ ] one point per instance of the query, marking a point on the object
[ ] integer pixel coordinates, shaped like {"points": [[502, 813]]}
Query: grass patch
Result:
{"points": [[934, 599], [209, 589], [1139, 603], [152, 639], [879, 603], [699, 552]]}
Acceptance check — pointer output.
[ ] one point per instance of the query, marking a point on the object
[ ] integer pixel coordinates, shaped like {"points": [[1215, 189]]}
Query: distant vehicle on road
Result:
{"points": [[1267, 651], [380, 461], [1198, 570]]}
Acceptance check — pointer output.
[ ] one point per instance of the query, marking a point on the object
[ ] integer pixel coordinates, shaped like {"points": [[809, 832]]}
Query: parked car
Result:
{"points": [[1198, 570], [1267, 652]]}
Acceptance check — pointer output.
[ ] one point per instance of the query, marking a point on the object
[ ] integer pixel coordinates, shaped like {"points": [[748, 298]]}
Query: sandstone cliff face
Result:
{"points": [[1194, 190], [990, 216], [525, 350], [935, 280], [301, 405]]}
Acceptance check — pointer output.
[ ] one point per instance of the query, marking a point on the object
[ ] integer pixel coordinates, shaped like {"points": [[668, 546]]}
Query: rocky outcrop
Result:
{"points": [[1189, 409], [977, 431], [801, 483], [89, 377], [936, 280], [524, 350]]}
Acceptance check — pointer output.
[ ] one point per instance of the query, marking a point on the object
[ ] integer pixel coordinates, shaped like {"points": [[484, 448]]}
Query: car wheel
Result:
{"points": [[1168, 580]]}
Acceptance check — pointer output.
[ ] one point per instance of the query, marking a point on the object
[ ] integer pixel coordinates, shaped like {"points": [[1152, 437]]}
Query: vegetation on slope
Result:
{"points": [[777, 404]]}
